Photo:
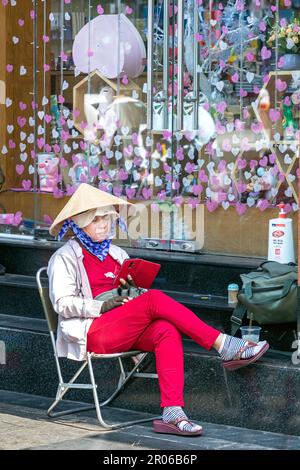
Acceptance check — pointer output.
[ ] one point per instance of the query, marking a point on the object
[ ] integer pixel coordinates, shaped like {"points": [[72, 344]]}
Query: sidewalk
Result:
{"points": [[24, 425]]}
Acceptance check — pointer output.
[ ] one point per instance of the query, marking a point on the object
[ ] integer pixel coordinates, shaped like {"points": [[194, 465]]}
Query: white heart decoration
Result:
{"points": [[208, 192], [225, 205], [287, 159], [65, 85], [117, 140], [22, 147], [30, 138], [74, 133], [295, 206], [75, 145], [249, 77], [231, 197], [288, 192], [291, 177], [128, 165], [220, 86], [22, 135], [70, 123], [137, 151], [235, 151], [109, 153], [247, 175], [15, 39], [66, 113], [136, 175], [40, 130], [31, 169], [4, 150], [41, 115], [277, 137], [45, 101], [31, 121], [149, 141], [157, 181], [55, 134], [155, 163], [118, 155], [250, 201], [67, 149], [23, 157], [23, 70], [125, 130], [10, 128], [8, 102], [282, 148], [67, 16]]}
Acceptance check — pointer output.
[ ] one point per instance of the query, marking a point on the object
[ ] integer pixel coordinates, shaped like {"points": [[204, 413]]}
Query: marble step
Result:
{"points": [[264, 396]]}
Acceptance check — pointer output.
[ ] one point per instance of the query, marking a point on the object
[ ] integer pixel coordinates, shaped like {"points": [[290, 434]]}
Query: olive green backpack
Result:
{"points": [[269, 295]]}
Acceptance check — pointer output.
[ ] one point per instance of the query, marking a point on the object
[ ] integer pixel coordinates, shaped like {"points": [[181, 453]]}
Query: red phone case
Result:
{"points": [[142, 272]]}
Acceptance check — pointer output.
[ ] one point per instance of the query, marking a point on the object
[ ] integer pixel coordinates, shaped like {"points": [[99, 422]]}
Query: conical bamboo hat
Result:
{"points": [[86, 197]]}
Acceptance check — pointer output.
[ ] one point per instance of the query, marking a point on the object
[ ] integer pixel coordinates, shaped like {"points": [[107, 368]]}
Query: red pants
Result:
{"points": [[152, 322]]}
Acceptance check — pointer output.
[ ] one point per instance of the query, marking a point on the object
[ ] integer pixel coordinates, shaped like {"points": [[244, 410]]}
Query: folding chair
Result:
{"points": [[63, 387]]}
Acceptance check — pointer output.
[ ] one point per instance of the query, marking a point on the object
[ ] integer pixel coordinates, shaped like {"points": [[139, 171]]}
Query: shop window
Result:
{"points": [[173, 104]]}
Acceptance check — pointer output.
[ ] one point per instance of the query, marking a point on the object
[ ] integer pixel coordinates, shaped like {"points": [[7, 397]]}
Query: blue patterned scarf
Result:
{"points": [[98, 249]]}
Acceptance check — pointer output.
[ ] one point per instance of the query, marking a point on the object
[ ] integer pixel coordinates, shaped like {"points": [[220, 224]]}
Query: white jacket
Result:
{"points": [[71, 297]]}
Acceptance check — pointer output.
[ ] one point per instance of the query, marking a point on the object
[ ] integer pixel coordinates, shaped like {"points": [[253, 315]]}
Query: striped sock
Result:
{"points": [[173, 413], [231, 345]]}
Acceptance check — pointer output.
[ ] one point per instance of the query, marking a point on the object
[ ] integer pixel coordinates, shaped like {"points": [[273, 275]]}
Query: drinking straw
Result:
{"points": [[251, 318]]}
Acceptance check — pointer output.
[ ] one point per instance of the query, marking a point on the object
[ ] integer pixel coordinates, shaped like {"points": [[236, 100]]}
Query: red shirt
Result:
{"points": [[101, 274]]}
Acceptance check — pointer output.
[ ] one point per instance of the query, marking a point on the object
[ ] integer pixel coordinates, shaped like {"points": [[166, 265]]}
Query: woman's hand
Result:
{"points": [[114, 302], [128, 283]]}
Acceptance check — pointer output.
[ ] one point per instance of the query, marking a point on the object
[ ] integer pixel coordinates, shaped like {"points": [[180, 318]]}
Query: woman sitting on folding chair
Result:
{"points": [[85, 267]]}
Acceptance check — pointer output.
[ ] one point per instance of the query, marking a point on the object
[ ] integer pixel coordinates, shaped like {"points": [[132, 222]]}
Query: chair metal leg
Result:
{"points": [[62, 390], [98, 406]]}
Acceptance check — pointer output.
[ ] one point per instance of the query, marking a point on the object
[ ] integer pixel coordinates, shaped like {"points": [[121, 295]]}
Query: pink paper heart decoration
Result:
{"points": [[61, 99], [162, 196], [48, 148], [47, 219], [22, 106], [48, 118], [197, 189], [32, 14], [240, 208], [56, 148], [21, 22], [263, 161], [9, 68], [274, 115], [46, 38], [262, 204], [265, 53], [19, 169], [63, 162], [147, 193], [111, 58], [46, 67], [100, 10], [76, 113], [117, 191], [253, 164], [193, 202], [241, 164], [11, 144], [26, 184], [235, 77], [128, 10], [281, 85], [211, 205], [18, 217], [40, 142]]}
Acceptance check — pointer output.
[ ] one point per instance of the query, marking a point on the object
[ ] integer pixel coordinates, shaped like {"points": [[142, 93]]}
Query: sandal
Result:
{"points": [[237, 362], [170, 428]]}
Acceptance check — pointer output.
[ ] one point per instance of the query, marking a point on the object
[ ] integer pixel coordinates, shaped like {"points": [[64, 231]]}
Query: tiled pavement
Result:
{"points": [[24, 425]]}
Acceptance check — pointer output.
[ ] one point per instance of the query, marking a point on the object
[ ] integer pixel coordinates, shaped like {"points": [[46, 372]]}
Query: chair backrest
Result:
{"points": [[50, 314]]}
